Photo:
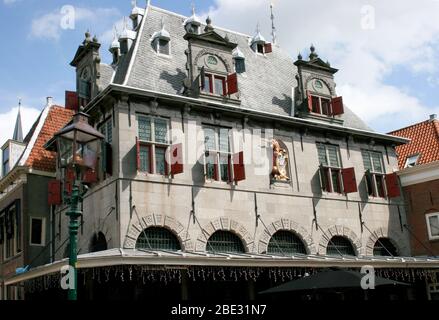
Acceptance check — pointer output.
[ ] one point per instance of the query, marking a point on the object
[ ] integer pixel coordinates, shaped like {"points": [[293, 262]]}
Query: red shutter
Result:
{"points": [[309, 101], [138, 154], [239, 167], [177, 159], [349, 181], [268, 48], [232, 83], [90, 176], [392, 185], [54, 192], [337, 106], [72, 101]]}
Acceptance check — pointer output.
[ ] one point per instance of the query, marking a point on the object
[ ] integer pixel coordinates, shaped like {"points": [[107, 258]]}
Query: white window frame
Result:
{"points": [[427, 219], [374, 175], [415, 157], [152, 144], [43, 232], [218, 153], [330, 168], [157, 48]]}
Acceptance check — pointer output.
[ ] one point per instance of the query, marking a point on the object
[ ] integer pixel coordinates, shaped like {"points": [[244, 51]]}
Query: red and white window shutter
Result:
{"points": [[238, 167], [54, 194], [392, 184], [337, 106], [349, 180], [268, 48], [232, 84], [177, 159]]}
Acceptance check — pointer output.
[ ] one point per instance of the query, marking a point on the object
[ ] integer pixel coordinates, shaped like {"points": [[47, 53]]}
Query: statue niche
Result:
{"points": [[281, 165]]}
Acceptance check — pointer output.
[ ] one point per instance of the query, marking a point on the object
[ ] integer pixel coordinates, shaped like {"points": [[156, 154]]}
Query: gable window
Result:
{"points": [[37, 231], [240, 65], [163, 47], [412, 161], [106, 129], [330, 167], [153, 138], [217, 154], [5, 166], [373, 164], [260, 48], [214, 84], [433, 225]]}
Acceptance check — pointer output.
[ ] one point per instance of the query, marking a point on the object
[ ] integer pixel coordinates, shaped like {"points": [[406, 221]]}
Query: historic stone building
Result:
{"points": [[225, 159]]}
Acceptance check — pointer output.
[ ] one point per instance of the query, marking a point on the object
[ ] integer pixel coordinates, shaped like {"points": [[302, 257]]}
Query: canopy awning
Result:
{"points": [[115, 257]]}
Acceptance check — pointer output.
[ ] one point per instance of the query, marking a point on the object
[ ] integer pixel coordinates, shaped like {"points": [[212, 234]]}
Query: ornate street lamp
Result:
{"points": [[78, 145]]}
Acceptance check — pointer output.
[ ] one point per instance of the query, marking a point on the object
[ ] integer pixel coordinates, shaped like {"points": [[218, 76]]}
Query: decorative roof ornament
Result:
{"points": [[237, 54], [273, 28], [299, 57], [163, 33], [136, 11], [313, 55], [209, 26], [87, 36], [115, 44], [126, 32], [194, 19], [258, 37]]}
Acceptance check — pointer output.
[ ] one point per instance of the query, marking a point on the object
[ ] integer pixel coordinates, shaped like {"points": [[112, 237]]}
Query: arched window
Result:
{"points": [[384, 247], [340, 245], [224, 241], [98, 242], [285, 242], [156, 238]]}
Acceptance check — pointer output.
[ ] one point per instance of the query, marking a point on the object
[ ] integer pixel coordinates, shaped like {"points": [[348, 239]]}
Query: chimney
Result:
{"points": [[49, 101], [433, 117]]}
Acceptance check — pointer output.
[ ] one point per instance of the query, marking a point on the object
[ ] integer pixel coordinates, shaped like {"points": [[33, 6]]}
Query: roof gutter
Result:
{"points": [[244, 111]]}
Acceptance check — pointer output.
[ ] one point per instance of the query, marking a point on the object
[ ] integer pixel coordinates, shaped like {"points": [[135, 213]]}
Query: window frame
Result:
{"points": [[330, 169], [417, 156], [427, 218], [375, 175], [218, 154], [212, 77], [321, 97], [43, 231], [6, 162], [153, 144], [157, 47], [103, 128]]}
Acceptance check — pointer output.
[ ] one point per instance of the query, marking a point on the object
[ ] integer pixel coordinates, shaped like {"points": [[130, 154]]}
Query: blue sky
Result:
{"points": [[388, 67]]}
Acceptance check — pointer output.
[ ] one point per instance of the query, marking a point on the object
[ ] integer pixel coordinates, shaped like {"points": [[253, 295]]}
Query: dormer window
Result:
{"points": [[163, 46], [240, 65], [412, 161], [260, 48], [325, 106], [214, 84]]}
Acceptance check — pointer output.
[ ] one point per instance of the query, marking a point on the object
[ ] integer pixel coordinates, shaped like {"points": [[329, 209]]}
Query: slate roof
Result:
{"points": [[424, 141], [266, 86], [50, 121]]}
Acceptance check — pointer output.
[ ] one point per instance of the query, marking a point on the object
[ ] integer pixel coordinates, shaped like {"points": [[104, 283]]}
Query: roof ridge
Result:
{"points": [[185, 17], [409, 126]]}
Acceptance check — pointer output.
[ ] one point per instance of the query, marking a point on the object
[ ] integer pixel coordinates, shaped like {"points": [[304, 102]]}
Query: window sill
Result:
{"points": [[166, 56], [223, 99], [7, 260], [219, 183]]}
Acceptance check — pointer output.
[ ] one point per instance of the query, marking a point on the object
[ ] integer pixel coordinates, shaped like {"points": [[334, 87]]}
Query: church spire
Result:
{"points": [[18, 131]]}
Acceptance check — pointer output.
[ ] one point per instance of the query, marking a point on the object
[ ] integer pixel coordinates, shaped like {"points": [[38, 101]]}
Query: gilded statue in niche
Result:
{"points": [[280, 162]]}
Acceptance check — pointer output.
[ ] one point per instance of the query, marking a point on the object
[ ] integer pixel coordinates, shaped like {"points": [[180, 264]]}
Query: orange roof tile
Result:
{"points": [[424, 138], [39, 158]]}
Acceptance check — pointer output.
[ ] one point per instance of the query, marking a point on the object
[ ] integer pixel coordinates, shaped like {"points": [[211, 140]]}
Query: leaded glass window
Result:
{"points": [[330, 167], [156, 238], [225, 241], [340, 245], [217, 153], [154, 141], [384, 247], [285, 243]]}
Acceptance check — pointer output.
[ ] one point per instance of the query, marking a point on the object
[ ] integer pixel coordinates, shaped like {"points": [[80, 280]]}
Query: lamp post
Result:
{"points": [[78, 145]]}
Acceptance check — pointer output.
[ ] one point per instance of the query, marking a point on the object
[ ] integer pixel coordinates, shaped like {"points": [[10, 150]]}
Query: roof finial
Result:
{"points": [[18, 130], [134, 3], [193, 7], [209, 26], [313, 55], [273, 28]]}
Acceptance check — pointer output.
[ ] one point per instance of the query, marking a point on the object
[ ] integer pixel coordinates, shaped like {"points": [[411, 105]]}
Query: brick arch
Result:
{"points": [[314, 77], [286, 225], [157, 220], [343, 232], [224, 224], [396, 240]]}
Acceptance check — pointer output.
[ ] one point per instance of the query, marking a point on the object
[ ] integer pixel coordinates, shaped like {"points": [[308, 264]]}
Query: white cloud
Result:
{"points": [[8, 2], [406, 34], [51, 25]]}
